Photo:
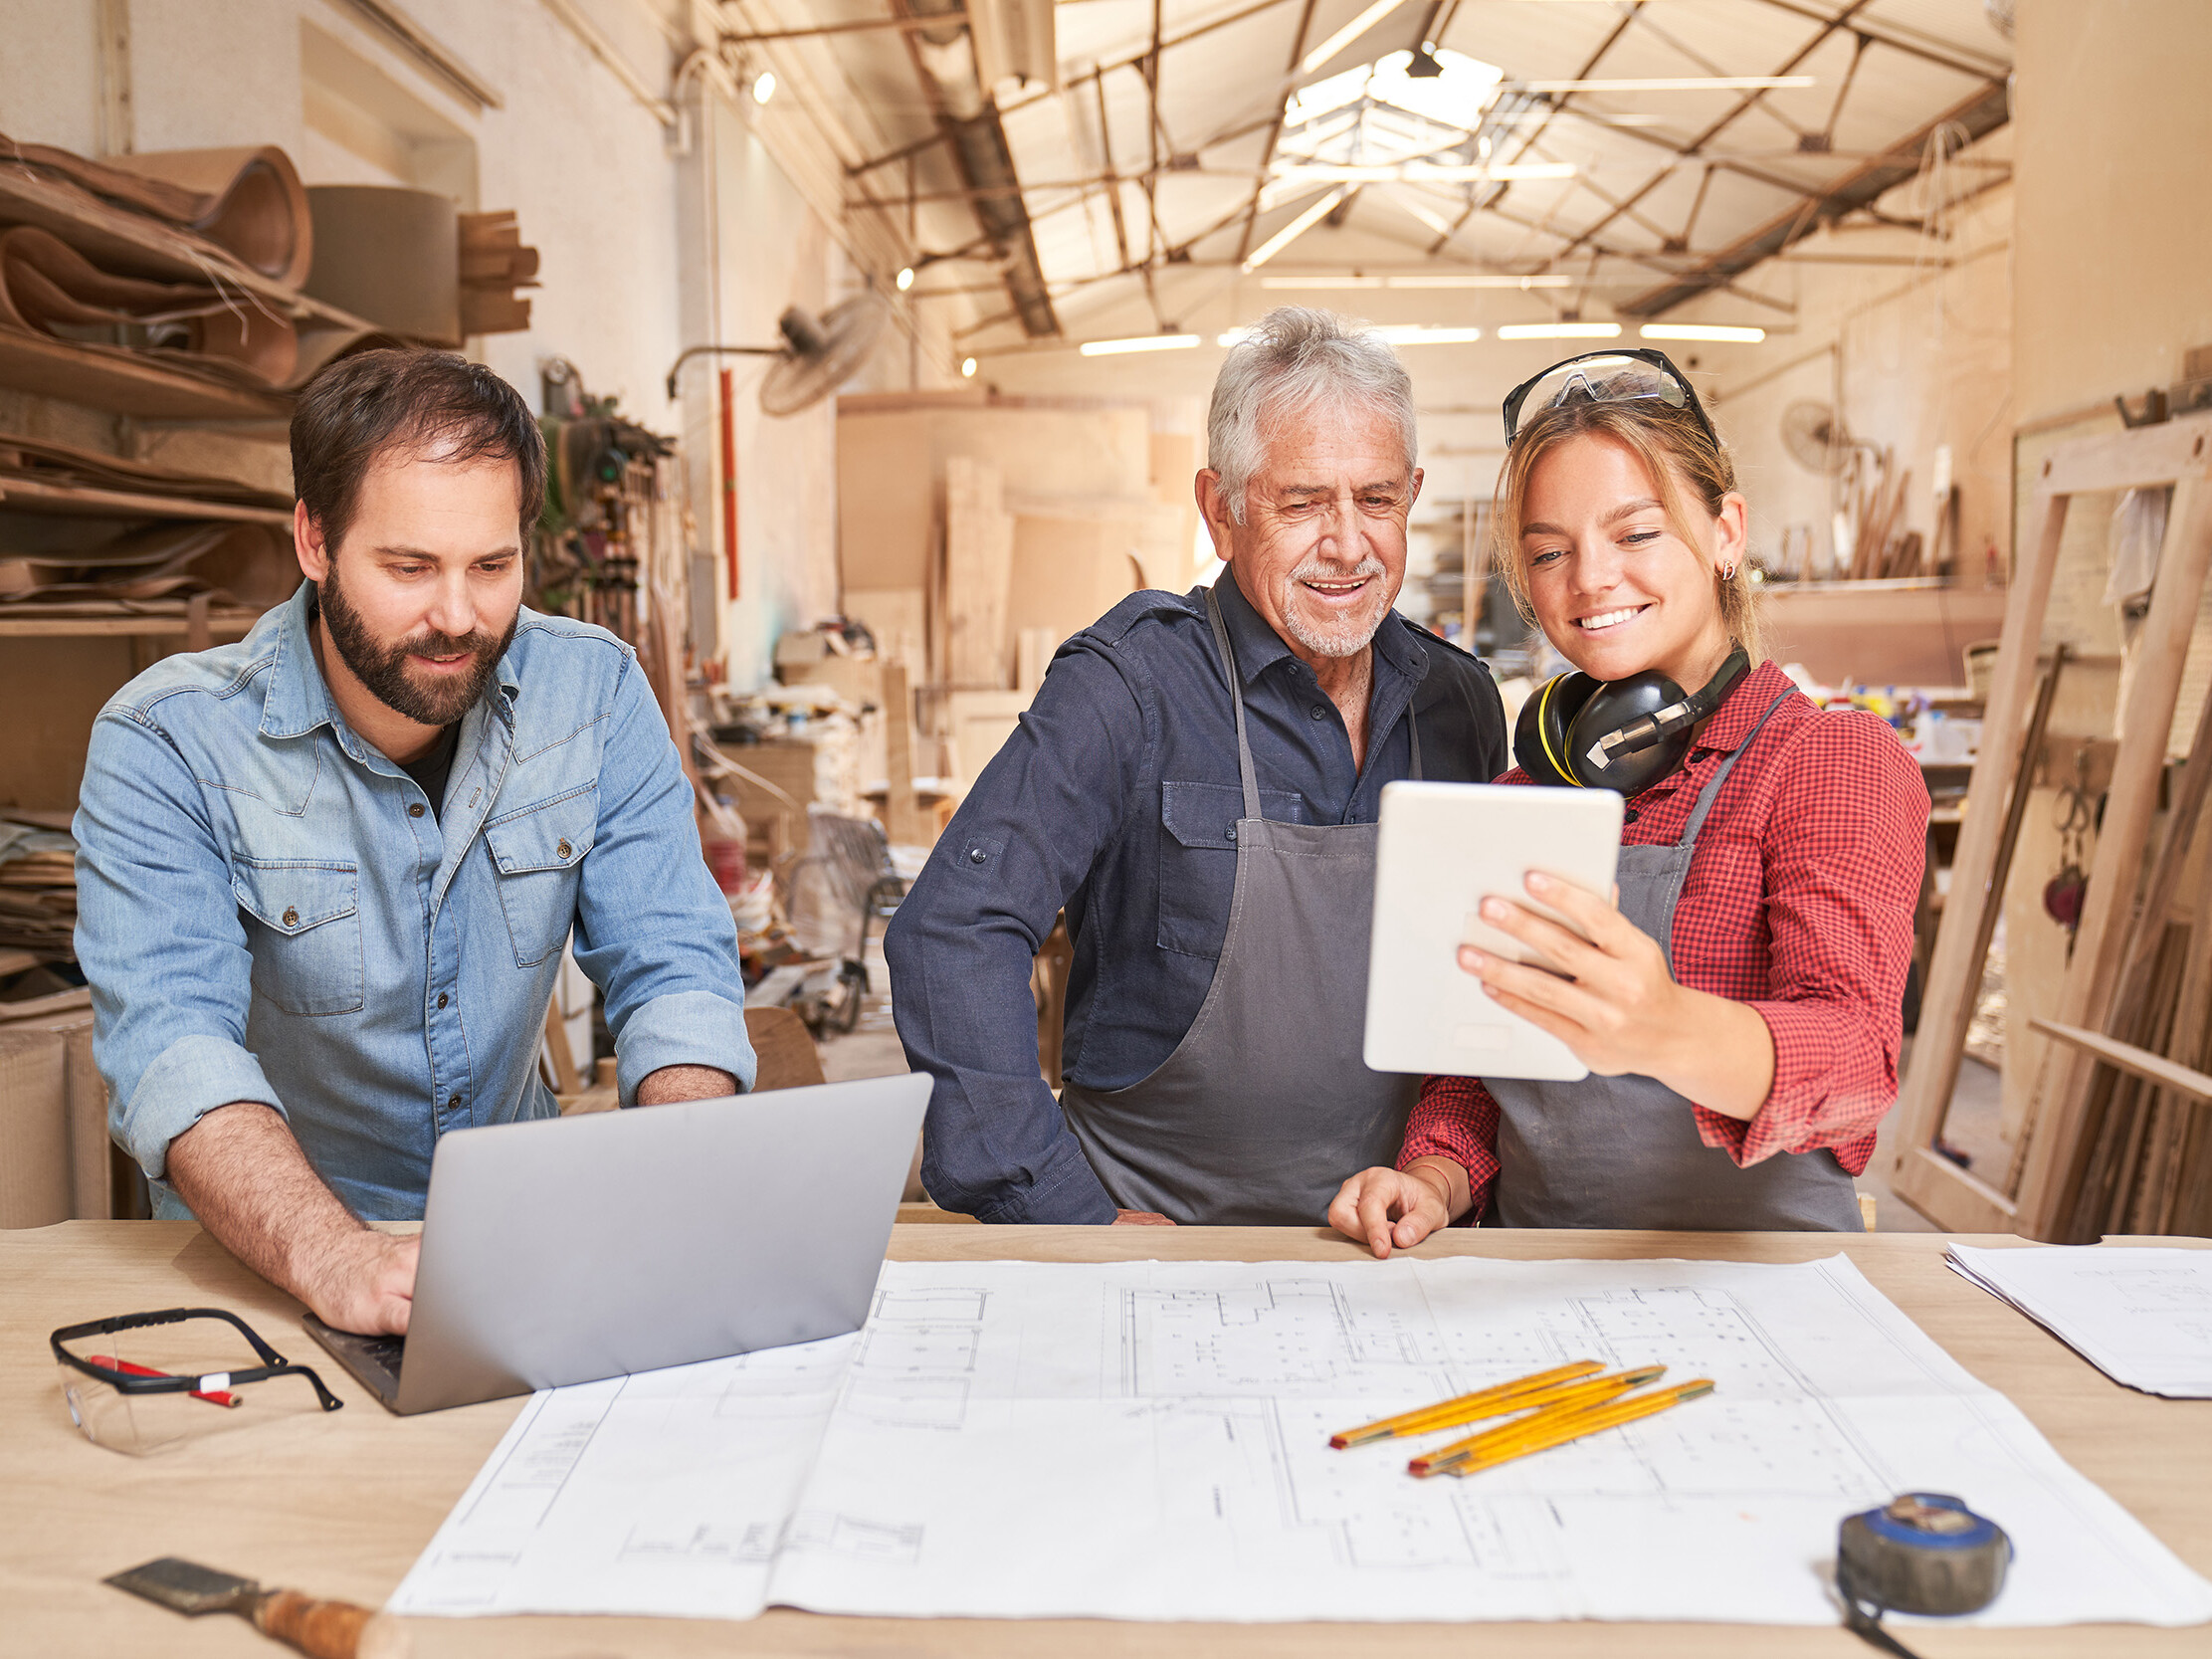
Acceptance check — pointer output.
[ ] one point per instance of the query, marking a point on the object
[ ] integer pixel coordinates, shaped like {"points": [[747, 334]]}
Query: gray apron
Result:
{"points": [[1624, 1152], [1266, 1105]]}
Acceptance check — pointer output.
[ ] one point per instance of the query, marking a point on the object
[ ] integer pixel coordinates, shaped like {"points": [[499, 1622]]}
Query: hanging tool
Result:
{"points": [[319, 1629], [1920, 1553]]}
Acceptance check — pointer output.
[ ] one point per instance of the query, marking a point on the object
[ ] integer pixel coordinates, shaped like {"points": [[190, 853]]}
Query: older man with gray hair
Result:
{"points": [[1196, 785]]}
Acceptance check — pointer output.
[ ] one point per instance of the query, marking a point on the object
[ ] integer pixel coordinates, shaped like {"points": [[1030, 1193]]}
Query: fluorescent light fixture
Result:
{"points": [[1446, 279], [1677, 84], [1700, 332], [1427, 215], [1232, 336], [1558, 330], [1344, 36], [1422, 335], [1423, 172], [906, 277], [1291, 232], [967, 368], [1140, 343], [765, 88], [1474, 279]]}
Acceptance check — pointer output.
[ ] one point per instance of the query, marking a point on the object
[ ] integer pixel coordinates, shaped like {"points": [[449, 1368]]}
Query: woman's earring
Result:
{"points": [[1727, 571]]}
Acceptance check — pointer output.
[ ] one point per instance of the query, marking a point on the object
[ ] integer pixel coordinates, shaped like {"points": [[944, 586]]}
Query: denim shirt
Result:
{"points": [[1116, 797], [269, 909]]}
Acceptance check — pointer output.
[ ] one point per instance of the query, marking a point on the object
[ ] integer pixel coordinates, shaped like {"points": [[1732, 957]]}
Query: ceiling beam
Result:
{"points": [[1743, 107], [1275, 130], [1978, 116], [1892, 35]]}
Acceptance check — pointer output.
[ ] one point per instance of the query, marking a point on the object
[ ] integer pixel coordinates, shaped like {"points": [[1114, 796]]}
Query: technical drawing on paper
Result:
{"points": [[1150, 1440]]}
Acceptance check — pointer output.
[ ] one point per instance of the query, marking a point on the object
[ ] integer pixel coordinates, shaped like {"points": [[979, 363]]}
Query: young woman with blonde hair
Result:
{"points": [[1737, 1002]]}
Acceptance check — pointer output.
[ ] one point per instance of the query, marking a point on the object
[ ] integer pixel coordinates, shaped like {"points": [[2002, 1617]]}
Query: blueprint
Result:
{"points": [[2141, 1315], [1148, 1440]]}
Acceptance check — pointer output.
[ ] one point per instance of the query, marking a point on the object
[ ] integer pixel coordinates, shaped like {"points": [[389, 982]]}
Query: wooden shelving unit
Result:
{"points": [[84, 500]]}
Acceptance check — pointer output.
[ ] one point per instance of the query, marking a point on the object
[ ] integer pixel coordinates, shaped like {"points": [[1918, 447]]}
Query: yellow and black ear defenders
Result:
{"points": [[1623, 734]]}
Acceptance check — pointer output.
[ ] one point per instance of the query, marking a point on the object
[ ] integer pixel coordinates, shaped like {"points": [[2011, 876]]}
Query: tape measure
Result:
{"points": [[1920, 1553]]}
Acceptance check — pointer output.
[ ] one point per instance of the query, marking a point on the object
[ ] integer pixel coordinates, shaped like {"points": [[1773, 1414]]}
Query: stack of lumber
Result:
{"points": [[37, 890], [78, 528], [1873, 508], [493, 263]]}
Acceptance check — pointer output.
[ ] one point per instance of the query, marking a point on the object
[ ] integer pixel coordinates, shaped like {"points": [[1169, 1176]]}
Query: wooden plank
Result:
{"points": [[73, 499], [17, 625], [2129, 459], [2057, 1146], [905, 823], [125, 383], [978, 574], [565, 1080], [1962, 941], [2126, 1057]]}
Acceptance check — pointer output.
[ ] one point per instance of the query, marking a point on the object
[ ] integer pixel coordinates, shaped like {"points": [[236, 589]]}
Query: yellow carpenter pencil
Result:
{"points": [[1548, 1407], [1466, 1408], [1575, 1425]]}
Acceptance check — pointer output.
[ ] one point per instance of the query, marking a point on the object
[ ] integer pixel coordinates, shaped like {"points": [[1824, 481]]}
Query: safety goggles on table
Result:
{"points": [[146, 1381], [1624, 375]]}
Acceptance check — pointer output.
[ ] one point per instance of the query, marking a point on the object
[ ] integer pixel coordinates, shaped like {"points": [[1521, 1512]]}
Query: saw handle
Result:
{"points": [[328, 1629]]}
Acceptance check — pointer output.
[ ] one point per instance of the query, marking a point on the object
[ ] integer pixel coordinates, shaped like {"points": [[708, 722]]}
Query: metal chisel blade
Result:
{"points": [[187, 1587]]}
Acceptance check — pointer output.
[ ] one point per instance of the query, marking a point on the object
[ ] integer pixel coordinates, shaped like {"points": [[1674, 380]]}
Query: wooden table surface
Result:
{"points": [[341, 1505]]}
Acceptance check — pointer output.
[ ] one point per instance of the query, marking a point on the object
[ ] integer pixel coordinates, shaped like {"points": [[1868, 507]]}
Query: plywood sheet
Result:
{"points": [[978, 569]]}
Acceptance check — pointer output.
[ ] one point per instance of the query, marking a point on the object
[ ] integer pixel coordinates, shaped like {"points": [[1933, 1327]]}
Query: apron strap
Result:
{"points": [[1712, 791], [1413, 735], [1235, 698]]}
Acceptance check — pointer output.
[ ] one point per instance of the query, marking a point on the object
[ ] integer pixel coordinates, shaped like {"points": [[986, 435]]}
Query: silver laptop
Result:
{"points": [[571, 1249]]}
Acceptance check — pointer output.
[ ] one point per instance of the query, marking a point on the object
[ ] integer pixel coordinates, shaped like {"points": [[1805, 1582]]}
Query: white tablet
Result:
{"points": [[1441, 848]]}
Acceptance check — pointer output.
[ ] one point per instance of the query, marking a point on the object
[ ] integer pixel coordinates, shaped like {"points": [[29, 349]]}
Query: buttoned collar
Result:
{"points": [[298, 698], [1258, 647]]}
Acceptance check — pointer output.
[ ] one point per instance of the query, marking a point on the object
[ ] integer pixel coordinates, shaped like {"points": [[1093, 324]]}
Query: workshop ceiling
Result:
{"points": [[1187, 136]]}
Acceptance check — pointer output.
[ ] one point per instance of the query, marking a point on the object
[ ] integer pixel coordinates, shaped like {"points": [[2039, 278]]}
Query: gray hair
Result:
{"points": [[1294, 359]]}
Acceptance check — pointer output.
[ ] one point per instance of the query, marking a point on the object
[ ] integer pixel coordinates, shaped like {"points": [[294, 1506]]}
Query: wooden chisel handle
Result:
{"points": [[328, 1629]]}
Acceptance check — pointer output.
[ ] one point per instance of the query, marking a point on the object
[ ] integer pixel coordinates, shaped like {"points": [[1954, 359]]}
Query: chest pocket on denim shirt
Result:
{"points": [[1198, 859], [303, 930], [537, 852]]}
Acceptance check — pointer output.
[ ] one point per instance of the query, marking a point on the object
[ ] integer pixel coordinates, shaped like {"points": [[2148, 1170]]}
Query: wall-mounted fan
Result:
{"points": [[1815, 438], [818, 353]]}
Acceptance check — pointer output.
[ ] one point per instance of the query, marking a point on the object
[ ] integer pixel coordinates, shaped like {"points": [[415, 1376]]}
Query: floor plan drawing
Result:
{"points": [[1150, 1440]]}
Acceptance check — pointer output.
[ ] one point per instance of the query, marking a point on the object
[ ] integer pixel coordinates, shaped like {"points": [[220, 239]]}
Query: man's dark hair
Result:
{"points": [[363, 407]]}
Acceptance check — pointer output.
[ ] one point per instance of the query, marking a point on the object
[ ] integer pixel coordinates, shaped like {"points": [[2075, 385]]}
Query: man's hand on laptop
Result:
{"points": [[362, 1281], [239, 1170]]}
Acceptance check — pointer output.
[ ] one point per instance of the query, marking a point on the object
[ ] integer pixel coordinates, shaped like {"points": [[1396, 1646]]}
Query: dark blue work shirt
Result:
{"points": [[1117, 798]]}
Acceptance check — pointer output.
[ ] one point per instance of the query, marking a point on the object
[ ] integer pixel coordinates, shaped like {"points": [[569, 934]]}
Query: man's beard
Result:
{"points": [[386, 672], [1349, 636]]}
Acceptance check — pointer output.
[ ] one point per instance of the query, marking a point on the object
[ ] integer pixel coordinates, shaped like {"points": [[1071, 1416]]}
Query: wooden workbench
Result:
{"points": [[341, 1505]]}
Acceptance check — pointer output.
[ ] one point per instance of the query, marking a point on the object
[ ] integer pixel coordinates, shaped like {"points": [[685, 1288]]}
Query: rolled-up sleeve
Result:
{"points": [[962, 945], [160, 942], [1844, 847], [652, 932]]}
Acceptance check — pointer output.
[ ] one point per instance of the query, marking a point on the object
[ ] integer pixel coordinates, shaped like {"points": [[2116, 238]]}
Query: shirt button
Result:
{"points": [[414, 809], [976, 855], [1231, 832], [453, 1101], [562, 849], [291, 918], [441, 999], [1318, 711]]}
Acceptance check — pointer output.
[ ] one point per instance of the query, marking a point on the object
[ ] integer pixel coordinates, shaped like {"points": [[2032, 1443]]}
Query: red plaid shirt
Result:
{"points": [[1799, 902]]}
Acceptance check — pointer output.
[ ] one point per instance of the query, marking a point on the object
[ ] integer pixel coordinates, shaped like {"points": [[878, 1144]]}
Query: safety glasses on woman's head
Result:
{"points": [[1623, 375]]}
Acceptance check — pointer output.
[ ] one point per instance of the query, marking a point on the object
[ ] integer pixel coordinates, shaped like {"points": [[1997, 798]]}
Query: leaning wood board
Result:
{"points": [[342, 1505]]}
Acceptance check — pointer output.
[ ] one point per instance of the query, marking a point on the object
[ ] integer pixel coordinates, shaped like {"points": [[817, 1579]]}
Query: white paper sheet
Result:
{"points": [[1148, 1440], [2142, 1315]]}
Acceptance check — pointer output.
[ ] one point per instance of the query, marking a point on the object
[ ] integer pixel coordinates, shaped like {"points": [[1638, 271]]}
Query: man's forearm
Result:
{"points": [[245, 1178], [684, 1083]]}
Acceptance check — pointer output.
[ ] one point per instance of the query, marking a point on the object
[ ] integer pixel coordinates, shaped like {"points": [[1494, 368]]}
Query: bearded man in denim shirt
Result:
{"points": [[326, 874]]}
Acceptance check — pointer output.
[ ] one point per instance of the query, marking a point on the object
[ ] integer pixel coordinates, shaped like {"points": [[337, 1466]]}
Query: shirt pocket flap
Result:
{"points": [[290, 897], [1206, 814], [552, 835]]}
